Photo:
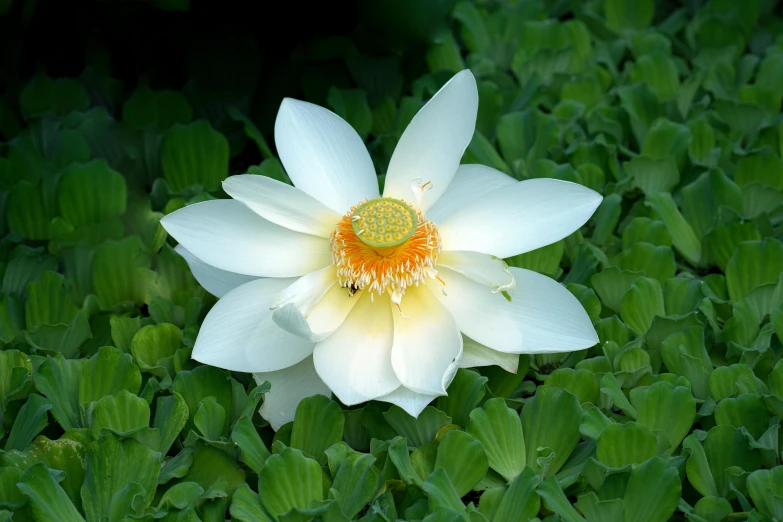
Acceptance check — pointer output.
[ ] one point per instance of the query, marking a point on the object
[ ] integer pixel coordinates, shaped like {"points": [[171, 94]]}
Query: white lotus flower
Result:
{"points": [[328, 287]]}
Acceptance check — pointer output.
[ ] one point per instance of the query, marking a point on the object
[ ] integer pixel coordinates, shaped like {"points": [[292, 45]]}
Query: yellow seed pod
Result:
{"points": [[394, 220]]}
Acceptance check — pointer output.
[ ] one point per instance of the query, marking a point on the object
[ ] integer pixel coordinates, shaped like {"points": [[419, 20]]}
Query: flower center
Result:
{"points": [[384, 245]]}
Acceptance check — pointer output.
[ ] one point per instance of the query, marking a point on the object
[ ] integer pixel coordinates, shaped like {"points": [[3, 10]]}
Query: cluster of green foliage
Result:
{"points": [[670, 109]]}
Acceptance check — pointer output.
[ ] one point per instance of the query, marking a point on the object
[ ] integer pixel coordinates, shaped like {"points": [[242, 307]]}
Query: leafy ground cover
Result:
{"points": [[671, 110]]}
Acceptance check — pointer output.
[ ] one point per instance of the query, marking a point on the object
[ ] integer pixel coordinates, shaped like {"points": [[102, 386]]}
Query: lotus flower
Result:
{"points": [[329, 287]]}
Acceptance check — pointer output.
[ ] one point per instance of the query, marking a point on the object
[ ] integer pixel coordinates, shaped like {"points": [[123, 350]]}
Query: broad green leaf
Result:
{"points": [[200, 383], [766, 489], [581, 383], [555, 500], [48, 501], [418, 431], [622, 17], [91, 193], [210, 418], [246, 506], [646, 230], [318, 424], [683, 236], [499, 429], [520, 502], [171, 415], [464, 459], [154, 348], [464, 393], [684, 354], [156, 109], [289, 480], [703, 198], [651, 261], [56, 96], [754, 263], [665, 407], [441, 491], [120, 272], [122, 414], [194, 155], [59, 380], [30, 420], [653, 175], [558, 432], [623, 444], [653, 492], [214, 470], [642, 302], [357, 481], [351, 105], [747, 411], [612, 284], [106, 373], [112, 464]]}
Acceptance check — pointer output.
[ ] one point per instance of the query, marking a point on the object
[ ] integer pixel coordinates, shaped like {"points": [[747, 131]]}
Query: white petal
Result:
{"points": [[549, 316], [282, 204], [239, 334], [480, 314], [476, 354], [289, 386], [519, 218], [324, 156], [315, 306], [410, 401], [481, 268], [229, 236], [542, 317], [214, 280], [355, 361], [469, 183], [431, 147], [427, 342]]}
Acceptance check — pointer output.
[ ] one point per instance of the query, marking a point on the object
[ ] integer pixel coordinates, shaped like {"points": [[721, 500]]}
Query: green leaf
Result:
{"points": [[612, 284], [418, 431], [464, 460], [622, 17], [754, 263], [558, 432], [154, 348], [652, 261], [171, 415], [48, 501], [555, 500], [318, 424], [55, 96], [653, 492], [653, 175], [665, 407], [194, 155], [246, 506], [520, 502], [210, 418], [684, 354], [724, 447], [91, 193], [112, 464], [58, 379], [122, 414], [351, 105], [120, 272], [30, 209], [544, 260], [642, 302], [30, 420], [156, 109], [583, 384], [253, 450], [441, 491], [106, 373], [10, 496], [200, 383], [747, 410], [289, 480], [464, 393], [213, 469], [766, 489], [683, 236], [623, 444], [357, 481], [499, 429]]}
